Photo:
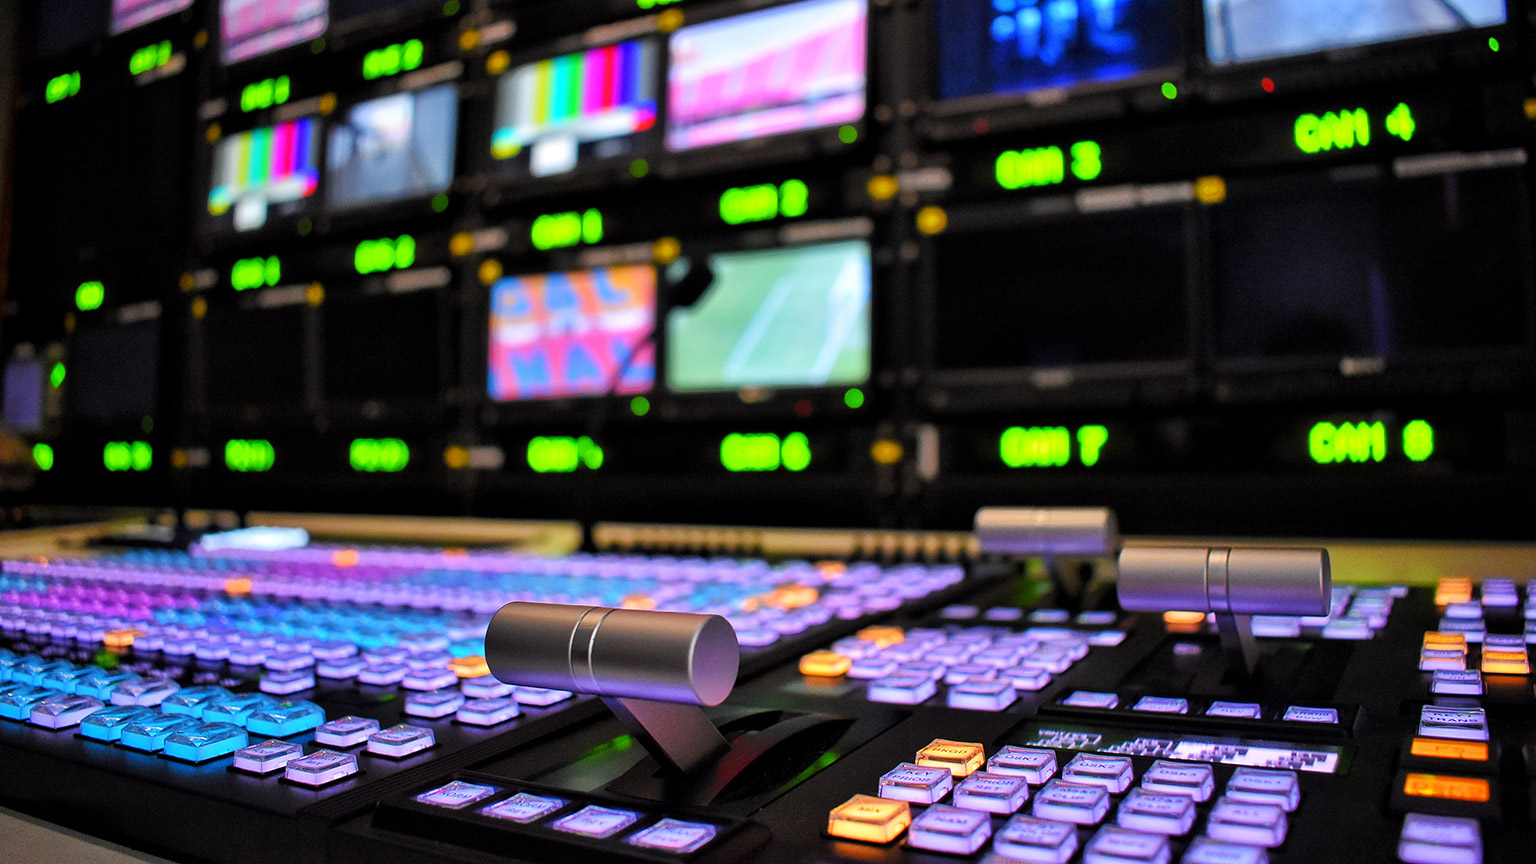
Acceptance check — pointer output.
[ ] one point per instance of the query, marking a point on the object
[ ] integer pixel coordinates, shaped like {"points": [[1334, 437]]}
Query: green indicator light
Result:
{"points": [[1348, 442], [383, 255], [1087, 160], [847, 134], [42, 455], [794, 199], [1170, 90], [62, 87], [1401, 123], [591, 227], [439, 202], [640, 406], [393, 59], [451, 7], [89, 296], [639, 168], [379, 455], [854, 398], [1343, 130], [563, 230], [652, 4], [1021, 169], [1418, 441], [1036, 447], [305, 226], [250, 273], [150, 57], [750, 452], [1493, 44], [56, 375], [249, 455], [760, 203], [127, 456], [562, 455], [265, 94], [795, 453], [1090, 444]]}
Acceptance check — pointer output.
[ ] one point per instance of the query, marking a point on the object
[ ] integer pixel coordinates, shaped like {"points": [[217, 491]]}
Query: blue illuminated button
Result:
{"points": [[487, 712], [1458, 683], [902, 689], [429, 679], [485, 687], [383, 674], [1071, 802], [8, 664], [1029, 678], [247, 655], [439, 703], [1036, 841], [64, 710], [1466, 724], [1260, 786], [400, 741], [346, 731], [284, 718], [101, 682], [540, 697], [1162, 705], [1090, 699], [236, 708], [192, 700], [340, 668], [18, 704], [33, 669], [1112, 772], [1204, 850], [992, 793], [205, 742], [1234, 710], [1119, 846], [1248, 824], [65, 680], [595, 821], [287, 683], [1440, 840], [457, 795], [524, 807], [320, 767], [978, 695], [266, 757], [1156, 813], [1035, 766], [674, 835], [147, 691], [1190, 779], [107, 724], [914, 783], [150, 733], [942, 828]]}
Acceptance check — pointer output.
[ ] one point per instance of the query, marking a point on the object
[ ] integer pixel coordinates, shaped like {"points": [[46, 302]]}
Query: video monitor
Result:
{"points": [[793, 317], [254, 356], [579, 333], [26, 382], [1239, 31], [777, 70], [1103, 288], [1021, 46], [128, 14], [274, 169], [393, 147], [252, 28], [113, 370], [381, 346], [555, 114], [1425, 266]]}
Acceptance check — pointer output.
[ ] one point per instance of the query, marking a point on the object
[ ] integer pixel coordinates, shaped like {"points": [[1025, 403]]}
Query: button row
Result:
{"points": [[1176, 705]]}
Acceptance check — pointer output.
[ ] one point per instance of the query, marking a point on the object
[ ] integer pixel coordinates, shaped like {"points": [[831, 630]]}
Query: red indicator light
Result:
{"points": [[1268, 84], [803, 408], [981, 126]]}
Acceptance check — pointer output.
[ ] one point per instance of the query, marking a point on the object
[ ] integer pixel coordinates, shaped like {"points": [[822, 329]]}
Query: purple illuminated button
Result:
{"points": [[914, 783], [429, 679], [595, 821], [1204, 850], [982, 695], [1162, 705], [1300, 714], [1466, 724], [902, 689], [333, 650], [383, 674], [1260, 786], [1440, 840], [1036, 841], [1031, 678], [487, 712], [1112, 772], [287, 683], [1234, 710], [675, 835], [267, 757], [966, 671], [1157, 813], [288, 661], [540, 697], [248, 655], [1248, 824], [400, 741], [524, 807], [147, 691], [1071, 802], [429, 660], [346, 731], [1119, 846], [1091, 699], [1191, 779], [941, 828], [64, 711], [340, 668], [927, 668], [1035, 766], [439, 703], [992, 793], [486, 687], [457, 795], [1458, 683], [320, 767], [391, 654], [868, 668]]}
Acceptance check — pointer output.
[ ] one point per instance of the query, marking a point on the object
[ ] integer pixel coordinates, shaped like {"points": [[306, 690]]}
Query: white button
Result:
{"points": [[1299, 714], [1035, 766], [1156, 813], [1240, 710], [949, 829], [1259, 786], [1180, 778], [992, 793], [1090, 699], [1467, 682], [1036, 841], [1112, 772], [1071, 802], [1440, 840], [1207, 851], [1249, 824], [1118, 846], [1466, 724], [914, 783], [1162, 705]]}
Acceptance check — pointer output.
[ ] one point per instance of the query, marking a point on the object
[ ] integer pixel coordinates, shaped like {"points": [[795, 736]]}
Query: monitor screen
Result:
{"points": [[254, 356], [128, 14], [252, 28], [113, 369], [357, 328], [1095, 289], [274, 168], [777, 70], [595, 104], [582, 333], [393, 147], [1237, 31], [796, 317], [1019, 46], [26, 380], [1429, 265]]}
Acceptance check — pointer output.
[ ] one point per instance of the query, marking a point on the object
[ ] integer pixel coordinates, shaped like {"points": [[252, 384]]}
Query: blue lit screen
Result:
{"points": [[1237, 31]]}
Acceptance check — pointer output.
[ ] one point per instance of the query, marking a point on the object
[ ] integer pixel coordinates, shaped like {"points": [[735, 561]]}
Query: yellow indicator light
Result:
{"points": [[314, 295], [932, 220], [1506, 663], [1446, 788], [473, 666], [870, 819], [1445, 641], [461, 244], [200, 40], [199, 307], [1530, 109], [469, 39], [666, 250], [498, 62], [238, 586], [960, 757], [643, 602], [456, 457], [669, 20], [345, 558], [883, 187], [883, 637], [824, 664], [187, 282], [1438, 748], [1210, 190], [328, 103], [1453, 589], [121, 638], [214, 133], [490, 271], [886, 452]]}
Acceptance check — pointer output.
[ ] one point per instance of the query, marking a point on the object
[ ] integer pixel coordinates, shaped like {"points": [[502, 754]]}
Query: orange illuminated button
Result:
{"points": [[1445, 641], [643, 602], [1453, 589], [871, 819], [1446, 788], [824, 664], [1506, 662], [883, 636], [960, 757], [1438, 748], [239, 586], [345, 558], [473, 666], [791, 596], [121, 638]]}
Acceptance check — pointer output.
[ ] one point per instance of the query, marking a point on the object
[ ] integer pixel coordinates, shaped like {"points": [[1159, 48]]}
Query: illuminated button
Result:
{"points": [[440, 703], [824, 664], [1003, 613], [1195, 781], [1035, 766], [969, 671], [1464, 611], [35, 669], [902, 689], [248, 655], [1091, 699], [524, 807], [284, 718], [977, 695], [346, 731], [235, 708], [1456, 641], [1112, 772], [287, 683], [852, 648], [941, 828], [456, 795], [334, 650], [960, 757], [1001, 657], [1248, 824], [288, 661], [1466, 724], [267, 757], [950, 655], [19, 702], [872, 667], [149, 691], [1468, 682], [1453, 589], [1234, 710], [1052, 660], [1260, 786], [1031, 678], [192, 700], [926, 668], [1440, 840], [1204, 850], [882, 636], [1162, 705], [1436, 659], [429, 679], [65, 680], [400, 741], [1447, 788], [870, 819], [1277, 626], [992, 793], [1036, 841], [1505, 662], [1503, 642], [383, 674], [674, 835], [1071, 802], [1119, 846], [487, 712], [1106, 638], [1156, 812], [1299, 714], [150, 733], [1437, 748], [64, 710], [101, 682], [107, 724], [595, 821], [206, 742], [320, 767], [341, 668], [486, 688], [909, 782], [540, 697], [959, 612]]}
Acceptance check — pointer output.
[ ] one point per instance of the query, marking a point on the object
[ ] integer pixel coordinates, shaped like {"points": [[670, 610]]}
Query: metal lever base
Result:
{"points": [[681, 737], [1238, 644]]}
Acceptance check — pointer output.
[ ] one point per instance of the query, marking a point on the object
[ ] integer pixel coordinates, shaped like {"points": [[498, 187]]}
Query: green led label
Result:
{"points": [[56, 375], [89, 296], [385, 455], [1400, 122], [265, 94], [1051, 446], [562, 455], [1090, 443], [249, 455], [62, 87], [127, 456], [1344, 130], [1418, 441], [249, 273], [765, 452], [743, 204], [652, 4], [563, 230], [393, 59], [42, 456], [150, 57], [1329, 444], [383, 255], [1048, 166]]}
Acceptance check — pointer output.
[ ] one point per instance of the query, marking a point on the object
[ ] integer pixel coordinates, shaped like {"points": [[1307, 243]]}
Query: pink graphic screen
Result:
{"points": [[252, 28], [128, 14]]}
